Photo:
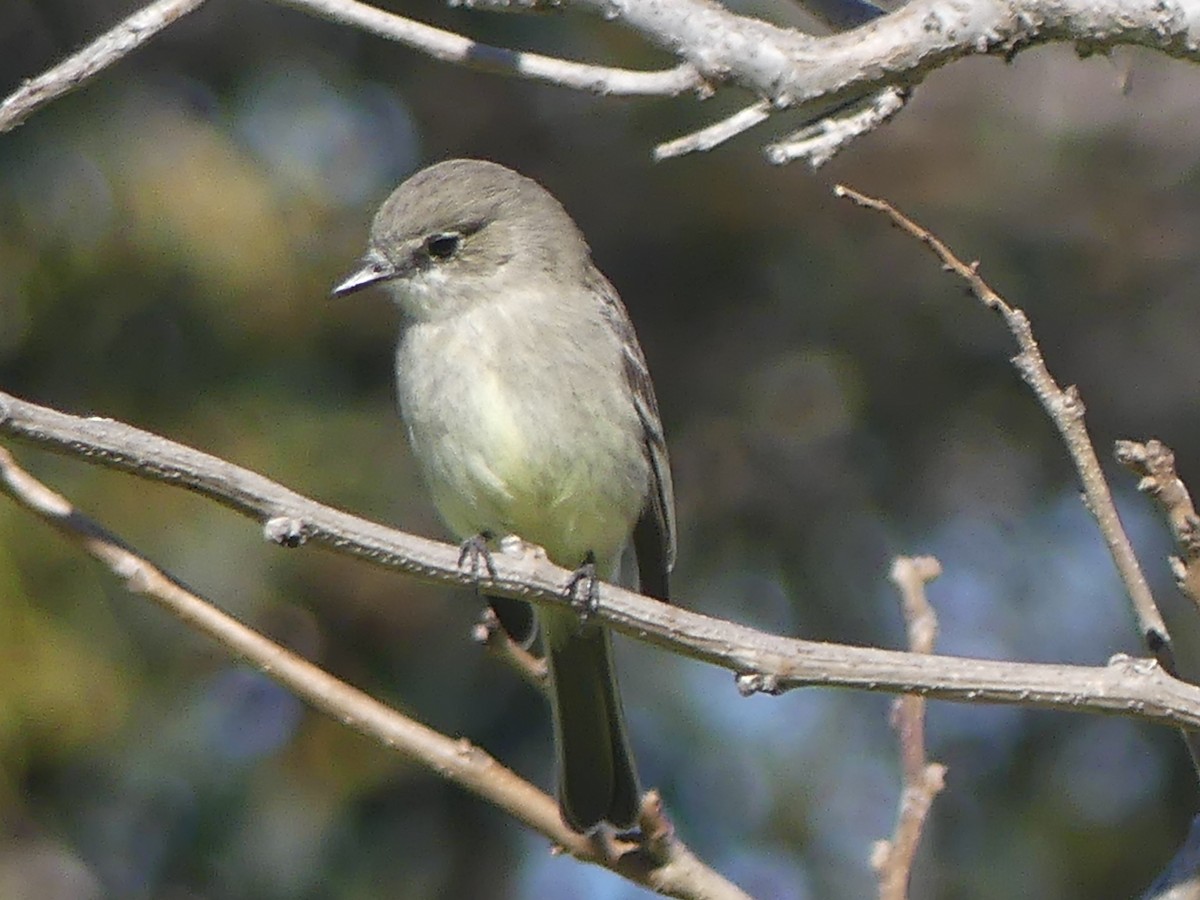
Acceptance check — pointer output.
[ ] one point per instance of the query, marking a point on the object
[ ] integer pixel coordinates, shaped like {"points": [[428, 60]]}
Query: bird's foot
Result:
{"points": [[474, 549], [583, 590]]}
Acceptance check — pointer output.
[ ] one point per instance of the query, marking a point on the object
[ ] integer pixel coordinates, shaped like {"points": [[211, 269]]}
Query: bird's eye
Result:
{"points": [[444, 245]]}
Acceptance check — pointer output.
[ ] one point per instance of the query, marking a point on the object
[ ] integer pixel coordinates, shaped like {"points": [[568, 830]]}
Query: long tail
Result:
{"points": [[597, 779]]}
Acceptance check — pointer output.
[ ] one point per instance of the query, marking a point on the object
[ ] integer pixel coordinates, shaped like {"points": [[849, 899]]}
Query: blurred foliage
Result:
{"points": [[168, 237]]}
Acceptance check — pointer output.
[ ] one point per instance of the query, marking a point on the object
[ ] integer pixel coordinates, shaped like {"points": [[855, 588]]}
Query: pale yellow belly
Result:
{"points": [[569, 487]]}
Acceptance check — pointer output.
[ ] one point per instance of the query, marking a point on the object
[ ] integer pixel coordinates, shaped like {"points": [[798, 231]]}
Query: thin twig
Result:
{"points": [[79, 68], [455, 48], [821, 141], [1155, 463], [1065, 408], [717, 133], [676, 871], [923, 780], [489, 633], [1138, 689]]}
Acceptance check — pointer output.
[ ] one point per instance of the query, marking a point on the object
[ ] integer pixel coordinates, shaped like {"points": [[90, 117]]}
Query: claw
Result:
{"points": [[476, 548], [585, 601]]}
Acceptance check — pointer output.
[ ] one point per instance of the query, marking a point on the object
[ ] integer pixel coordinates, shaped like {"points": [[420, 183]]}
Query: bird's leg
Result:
{"points": [[583, 590], [476, 548], [515, 616]]}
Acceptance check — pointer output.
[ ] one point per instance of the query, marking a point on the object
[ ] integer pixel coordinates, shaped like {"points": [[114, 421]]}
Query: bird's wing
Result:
{"points": [[654, 535]]}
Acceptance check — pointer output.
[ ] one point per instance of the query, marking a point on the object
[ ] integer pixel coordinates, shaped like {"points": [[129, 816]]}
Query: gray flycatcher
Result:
{"points": [[530, 410]]}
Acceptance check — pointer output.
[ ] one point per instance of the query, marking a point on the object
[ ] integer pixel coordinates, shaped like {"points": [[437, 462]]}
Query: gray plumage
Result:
{"points": [[529, 406]]}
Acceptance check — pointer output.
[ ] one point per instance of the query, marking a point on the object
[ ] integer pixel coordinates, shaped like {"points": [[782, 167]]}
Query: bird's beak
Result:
{"points": [[373, 268]]}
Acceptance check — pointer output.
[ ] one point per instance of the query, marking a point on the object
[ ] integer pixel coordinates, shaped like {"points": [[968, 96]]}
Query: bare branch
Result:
{"points": [[794, 69], [1138, 689], [665, 865], [1065, 408], [782, 66], [717, 133], [1155, 463], [79, 68], [820, 141], [923, 780], [910, 575], [490, 633], [455, 48], [817, 142], [883, 58]]}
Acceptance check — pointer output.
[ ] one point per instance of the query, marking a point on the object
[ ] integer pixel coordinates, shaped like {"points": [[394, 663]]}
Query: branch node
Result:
{"points": [[286, 531], [881, 851], [1179, 571], [1135, 665], [750, 683], [658, 832]]}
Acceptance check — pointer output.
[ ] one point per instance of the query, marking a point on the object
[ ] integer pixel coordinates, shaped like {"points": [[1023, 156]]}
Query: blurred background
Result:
{"points": [[168, 238]]}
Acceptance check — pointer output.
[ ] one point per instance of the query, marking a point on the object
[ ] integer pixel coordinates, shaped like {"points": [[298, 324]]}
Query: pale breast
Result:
{"points": [[528, 431]]}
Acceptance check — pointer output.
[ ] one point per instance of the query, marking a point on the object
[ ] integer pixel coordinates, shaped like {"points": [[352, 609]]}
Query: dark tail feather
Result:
{"points": [[597, 779]]}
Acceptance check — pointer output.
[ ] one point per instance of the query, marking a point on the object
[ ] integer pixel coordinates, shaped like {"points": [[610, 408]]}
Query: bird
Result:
{"points": [[529, 408]]}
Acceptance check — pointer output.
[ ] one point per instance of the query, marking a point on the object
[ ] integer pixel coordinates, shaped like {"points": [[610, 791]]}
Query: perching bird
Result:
{"points": [[530, 409]]}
